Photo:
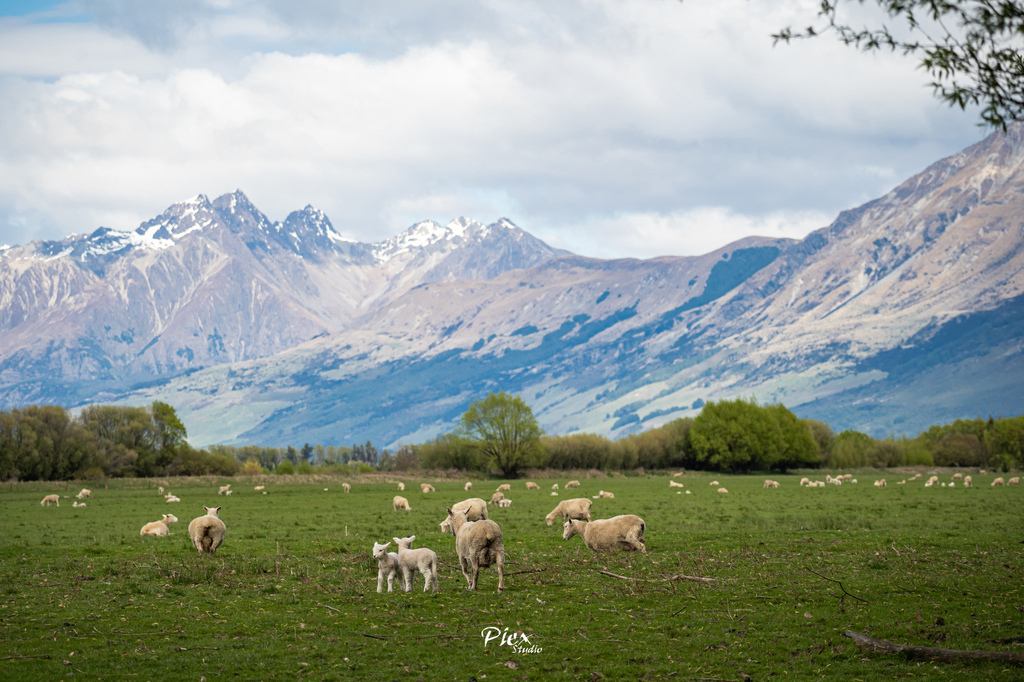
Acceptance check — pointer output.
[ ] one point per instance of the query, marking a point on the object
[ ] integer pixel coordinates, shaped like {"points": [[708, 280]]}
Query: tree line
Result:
{"points": [[498, 433]]}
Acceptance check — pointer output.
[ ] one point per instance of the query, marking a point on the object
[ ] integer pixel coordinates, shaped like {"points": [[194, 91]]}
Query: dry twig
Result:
{"points": [[881, 646]]}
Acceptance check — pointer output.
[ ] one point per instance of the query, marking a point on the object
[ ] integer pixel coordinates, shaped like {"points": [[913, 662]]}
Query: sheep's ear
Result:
{"points": [[218, 509], [412, 538], [397, 541], [449, 511]]}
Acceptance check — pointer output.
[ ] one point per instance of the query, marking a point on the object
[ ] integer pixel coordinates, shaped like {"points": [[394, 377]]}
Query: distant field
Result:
{"points": [[292, 592]]}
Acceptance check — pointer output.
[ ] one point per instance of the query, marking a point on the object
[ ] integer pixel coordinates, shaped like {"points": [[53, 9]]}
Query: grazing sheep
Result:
{"points": [[932, 481], [982, 471], [346, 487], [1014, 481], [572, 484], [387, 567], [160, 527], [722, 490], [496, 497], [768, 483], [401, 486], [602, 535], [805, 481], [50, 498], [998, 481], [224, 489], [577, 508], [958, 476], [673, 484], [426, 488], [530, 485], [602, 493], [915, 476], [929, 484], [468, 486], [475, 508], [505, 503], [400, 503], [85, 493], [846, 477], [207, 532], [478, 545], [967, 481], [554, 487], [411, 560], [505, 488], [677, 474]]}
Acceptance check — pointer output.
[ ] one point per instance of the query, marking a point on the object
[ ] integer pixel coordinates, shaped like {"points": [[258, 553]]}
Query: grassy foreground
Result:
{"points": [[292, 592]]}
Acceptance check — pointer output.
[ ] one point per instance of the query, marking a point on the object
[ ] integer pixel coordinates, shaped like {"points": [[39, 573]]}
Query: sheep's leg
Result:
{"points": [[500, 564], [476, 574], [380, 581], [465, 572]]}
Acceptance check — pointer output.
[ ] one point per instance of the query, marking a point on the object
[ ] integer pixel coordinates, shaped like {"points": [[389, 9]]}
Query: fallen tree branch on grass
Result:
{"points": [[881, 646], [680, 576]]}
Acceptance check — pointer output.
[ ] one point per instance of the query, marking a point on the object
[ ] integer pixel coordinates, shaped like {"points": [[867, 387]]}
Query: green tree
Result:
{"points": [[503, 428], [169, 435], [971, 49]]}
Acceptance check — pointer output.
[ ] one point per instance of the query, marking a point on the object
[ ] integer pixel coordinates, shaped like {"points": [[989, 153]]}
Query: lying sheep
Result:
{"points": [[160, 527], [85, 493], [505, 488], [496, 497], [714, 483], [259, 487], [673, 484], [578, 508], [530, 485], [173, 498], [401, 504], [207, 532], [722, 490], [468, 486], [998, 481], [554, 494], [967, 481], [387, 567], [1014, 481], [505, 503], [602, 493], [346, 487], [401, 486], [475, 508], [78, 504], [619, 532], [880, 483], [411, 560], [478, 545], [426, 488], [572, 484], [50, 498]]}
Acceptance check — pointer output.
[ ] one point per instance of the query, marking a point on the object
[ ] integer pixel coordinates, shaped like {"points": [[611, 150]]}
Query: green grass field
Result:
{"points": [[292, 592]]}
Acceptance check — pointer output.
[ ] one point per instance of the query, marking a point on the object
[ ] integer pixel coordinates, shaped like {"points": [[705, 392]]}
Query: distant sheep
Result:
{"points": [[475, 508], [173, 498], [722, 490], [505, 503], [426, 488], [572, 484], [554, 487], [967, 481], [505, 488], [346, 487], [160, 527], [259, 487], [224, 489], [84, 493], [478, 544], [714, 483], [602, 535], [468, 486], [578, 508], [880, 483], [530, 485], [387, 567], [1014, 481], [805, 481], [673, 484], [915, 476], [78, 504], [998, 481], [958, 476], [768, 483], [160, 489], [554, 494], [50, 498], [496, 497], [401, 486], [603, 493], [932, 481], [207, 532], [401, 504], [411, 560], [677, 474]]}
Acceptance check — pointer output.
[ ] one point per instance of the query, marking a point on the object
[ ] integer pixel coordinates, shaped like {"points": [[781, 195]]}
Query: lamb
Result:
{"points": [[958, 476], [881, 483], [78, 504], [722, 490], [530, 485], [497, 497], [505, 503], [160, 527], [673, 484], [1014, 481], [468, 486], [411, 560], [714, 483], [426, 488], [619, 532], [554, 487], [967, 481], [577, 508], [805, 481], [50, 498], [85, 493], [400, 503], [160, 489], [505, 488], [346, 487], [401, 486], [572, 484], [478, 545], [932, 480], [224, 489], [554, 494], [259, 487], [387, 567], [207, 532], [677, 474], [173, 498], [475, 508], [768, 483], [602, 493], [998, 481]]}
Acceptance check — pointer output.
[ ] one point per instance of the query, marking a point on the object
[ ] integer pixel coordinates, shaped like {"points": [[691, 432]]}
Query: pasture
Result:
{"points": [[292, 592]]}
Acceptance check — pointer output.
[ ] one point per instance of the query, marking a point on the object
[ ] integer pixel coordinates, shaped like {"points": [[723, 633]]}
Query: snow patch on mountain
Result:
{"points": [[425, 234]]}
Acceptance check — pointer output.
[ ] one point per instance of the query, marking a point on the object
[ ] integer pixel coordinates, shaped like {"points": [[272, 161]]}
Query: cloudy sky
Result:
{"points": [[608, 127]]}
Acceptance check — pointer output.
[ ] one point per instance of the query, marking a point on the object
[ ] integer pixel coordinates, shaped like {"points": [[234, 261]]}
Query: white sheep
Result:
{"points": [[346, 487], [1014, 481], [173, 498], [401, 486], [259, 487], [387, 567], [915, 476], [722, 490], [619, 532], [505, 503], [496, 497], [677, 474], [48, 499], [673, 484], [554, 494], [468, 486], [78, 504], [958, 476], [475, 508], [932, 481], [602, 493], [967, 481], [554, 487], [207, 532], [880, 483], [400, 503], [768, 483], [426, 488], [160, 527], [160, 489], [805, 481], [411, 560], [478, 544], [530, 485], [577, 508], [84, 493], [713, 483], [998, 481], [572, 484], [505, 488], [224, 489]]}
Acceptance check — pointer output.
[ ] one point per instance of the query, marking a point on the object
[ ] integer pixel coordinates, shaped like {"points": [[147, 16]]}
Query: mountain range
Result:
{"points": [[902, 313]]}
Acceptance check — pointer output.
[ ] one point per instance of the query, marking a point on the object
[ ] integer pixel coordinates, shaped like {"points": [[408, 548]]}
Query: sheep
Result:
{"points": [[207, 532], [400, 503], [160, 527], [602, 493], [932, 481], [619, 532], [846, 477], [577, 508], [505, 488], [805, 481], [958, 476], [530, 485], [929, 483], [85, 493], [387, 567], [982, 471], [1014, 481], [714, 483], [554, 487], [505, 503], [475, 508], [496, 497], [998, 481], [468, 486], [160, 489], [259, 487], [572, 484], [224, 489], [722, 490], [880, 483], [78, 504], [967, 481], [401, 486], [952, 484], [903, 482], [173, 498], [768, 483], [673, 484], [426, 488], [478, 544], [50, 498], [677, 474], [554, 494], [346, 487], [411, 560]]}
